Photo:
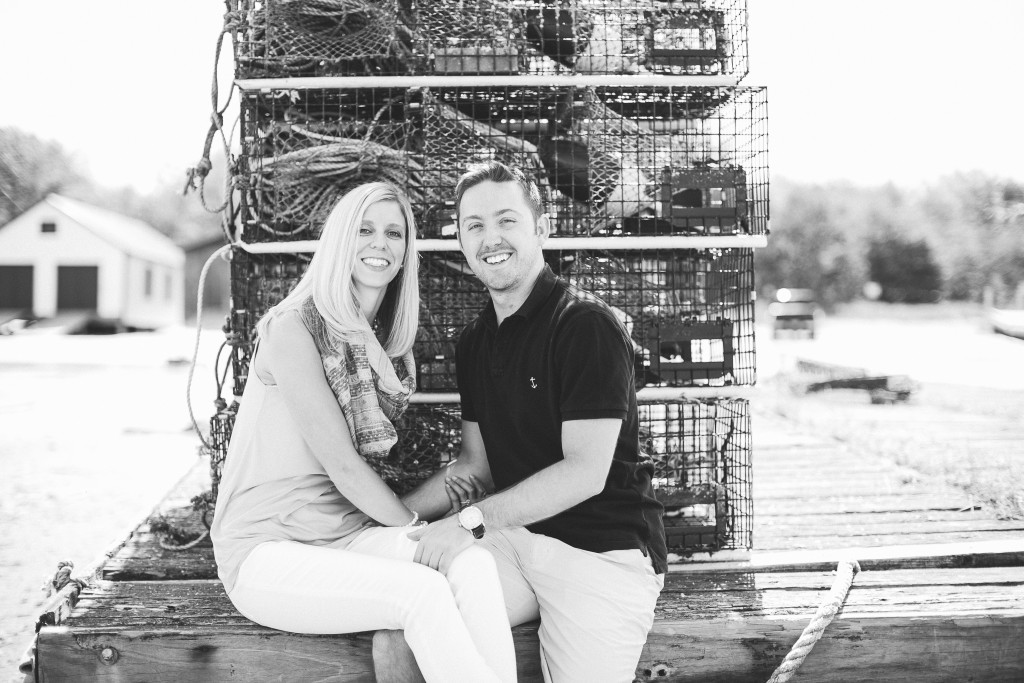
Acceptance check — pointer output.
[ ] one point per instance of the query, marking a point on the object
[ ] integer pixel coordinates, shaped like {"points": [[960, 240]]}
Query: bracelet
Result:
{"points": [[415, 519]]}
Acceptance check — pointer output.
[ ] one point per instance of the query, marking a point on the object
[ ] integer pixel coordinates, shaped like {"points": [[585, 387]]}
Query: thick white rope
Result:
{"points": [[822, 618]]}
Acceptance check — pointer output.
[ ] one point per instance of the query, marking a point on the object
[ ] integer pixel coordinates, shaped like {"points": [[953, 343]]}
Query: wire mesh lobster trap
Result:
{"points": [[702, 37], [702, 471], [548, 37], [690, 313], [609, 161]]}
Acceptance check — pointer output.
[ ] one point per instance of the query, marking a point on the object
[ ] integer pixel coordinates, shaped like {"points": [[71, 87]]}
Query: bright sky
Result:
{"points": [[873, 90]]}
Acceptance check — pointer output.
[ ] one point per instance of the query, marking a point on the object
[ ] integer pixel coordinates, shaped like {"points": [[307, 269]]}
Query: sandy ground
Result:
{"points": [[94, 430]]}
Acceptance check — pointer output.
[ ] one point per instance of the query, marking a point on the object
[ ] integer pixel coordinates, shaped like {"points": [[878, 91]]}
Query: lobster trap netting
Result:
{"points": [[702, 471], [385, 37], [304, 149], [625, 36], [689, 312], [609, 161], [316, 37]]}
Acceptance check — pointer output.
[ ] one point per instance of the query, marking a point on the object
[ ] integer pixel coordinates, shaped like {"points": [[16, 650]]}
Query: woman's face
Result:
{"points": [[380, 245]]}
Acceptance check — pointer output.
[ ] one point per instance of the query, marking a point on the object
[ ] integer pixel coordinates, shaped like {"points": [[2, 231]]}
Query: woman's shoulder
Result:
{"points": [[285, 329]]}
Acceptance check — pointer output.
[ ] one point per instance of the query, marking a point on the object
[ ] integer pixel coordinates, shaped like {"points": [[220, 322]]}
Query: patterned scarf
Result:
{"points": [[372, 390]]}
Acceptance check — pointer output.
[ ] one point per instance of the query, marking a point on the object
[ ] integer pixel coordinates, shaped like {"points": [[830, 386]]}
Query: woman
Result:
{"points": [[308, 537]]}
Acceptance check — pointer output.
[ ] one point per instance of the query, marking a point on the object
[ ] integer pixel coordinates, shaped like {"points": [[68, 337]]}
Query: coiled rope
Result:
{"points": [[822, 618]]}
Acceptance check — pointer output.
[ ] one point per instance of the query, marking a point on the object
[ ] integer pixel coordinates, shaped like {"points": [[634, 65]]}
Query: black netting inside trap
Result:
{"points": [[389, 37], [609, 161], [702, 456], [429, 436], [318, 37], [304, 149], [634, 37]]}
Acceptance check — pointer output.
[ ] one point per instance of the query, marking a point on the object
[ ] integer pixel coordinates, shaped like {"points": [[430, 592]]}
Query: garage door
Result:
{"points": [[16, 288], [77, 288]]}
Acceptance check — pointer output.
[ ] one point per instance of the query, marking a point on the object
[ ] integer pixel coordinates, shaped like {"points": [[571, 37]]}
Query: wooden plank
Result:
{"points": [[840, 504], [1003, 553], [767, 541], [691, 582], [867, 518], [836, 526], [903, 626]]}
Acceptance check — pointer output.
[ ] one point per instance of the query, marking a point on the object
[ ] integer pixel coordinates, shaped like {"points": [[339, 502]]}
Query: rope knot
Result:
{"points": [[234, 20]]}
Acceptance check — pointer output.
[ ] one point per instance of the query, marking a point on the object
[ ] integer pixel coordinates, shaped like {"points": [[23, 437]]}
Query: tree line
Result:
{"points": [[31, 168], [945, 240]]}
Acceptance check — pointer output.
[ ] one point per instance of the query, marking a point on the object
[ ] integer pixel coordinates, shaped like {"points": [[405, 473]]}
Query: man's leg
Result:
{"points": [[596, 610], [393, 661]]}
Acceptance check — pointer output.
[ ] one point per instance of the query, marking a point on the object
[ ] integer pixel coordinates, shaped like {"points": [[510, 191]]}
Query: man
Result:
{"points": [[550, 420]]}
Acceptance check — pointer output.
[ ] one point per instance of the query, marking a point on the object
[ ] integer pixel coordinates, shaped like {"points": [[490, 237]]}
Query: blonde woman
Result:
{"points": [[307, 535]]}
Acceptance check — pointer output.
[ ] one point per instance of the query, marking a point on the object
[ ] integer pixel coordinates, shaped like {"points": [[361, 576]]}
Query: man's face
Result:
{"points": [[499, 235]]}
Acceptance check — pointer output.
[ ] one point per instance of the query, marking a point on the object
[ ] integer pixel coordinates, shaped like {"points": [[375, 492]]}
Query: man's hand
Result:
{"points": [[440, 542]]}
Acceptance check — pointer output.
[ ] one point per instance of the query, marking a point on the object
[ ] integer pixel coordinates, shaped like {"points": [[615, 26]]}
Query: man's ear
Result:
{"points": [[543, 227]]}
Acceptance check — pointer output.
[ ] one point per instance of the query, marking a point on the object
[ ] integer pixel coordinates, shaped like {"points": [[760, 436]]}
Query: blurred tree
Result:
{"points": [[30, 169], [905, 269]]}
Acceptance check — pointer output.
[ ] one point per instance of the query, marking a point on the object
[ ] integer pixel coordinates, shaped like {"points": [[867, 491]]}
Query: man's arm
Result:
{"points": [[587, 446]]}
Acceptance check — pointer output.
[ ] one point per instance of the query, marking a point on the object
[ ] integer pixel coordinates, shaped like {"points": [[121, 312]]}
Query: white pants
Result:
{"points": [[456, 626], [595, 609]]}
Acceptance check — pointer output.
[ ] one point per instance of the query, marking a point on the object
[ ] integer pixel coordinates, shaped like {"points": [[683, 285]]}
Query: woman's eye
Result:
{"points": [[365, 231], [395, 234]]}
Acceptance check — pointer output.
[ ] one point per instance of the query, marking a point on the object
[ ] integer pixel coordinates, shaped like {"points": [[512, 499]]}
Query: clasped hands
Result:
{"points": [[441, 541]]}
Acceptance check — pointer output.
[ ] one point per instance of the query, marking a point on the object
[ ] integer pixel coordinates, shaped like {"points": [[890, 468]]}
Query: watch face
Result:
{"points": [[471, 517]]}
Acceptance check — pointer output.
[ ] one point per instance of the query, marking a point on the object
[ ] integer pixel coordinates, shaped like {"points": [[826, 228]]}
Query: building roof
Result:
{"points": [[132, 236]]}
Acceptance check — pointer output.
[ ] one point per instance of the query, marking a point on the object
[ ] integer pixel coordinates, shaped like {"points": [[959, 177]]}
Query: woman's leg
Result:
{"points": [[309, 589], [473, 577]]}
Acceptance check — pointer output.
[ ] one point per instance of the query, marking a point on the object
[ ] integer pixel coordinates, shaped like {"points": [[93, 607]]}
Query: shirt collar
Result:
{"points": [[542, 288]]}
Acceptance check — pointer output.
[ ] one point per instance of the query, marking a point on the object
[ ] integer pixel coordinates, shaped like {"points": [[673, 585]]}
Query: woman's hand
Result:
{"points": [[463, 491]]}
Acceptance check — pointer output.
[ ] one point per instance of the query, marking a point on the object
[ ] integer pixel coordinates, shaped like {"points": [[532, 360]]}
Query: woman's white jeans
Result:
{"points": [[456, 626]]}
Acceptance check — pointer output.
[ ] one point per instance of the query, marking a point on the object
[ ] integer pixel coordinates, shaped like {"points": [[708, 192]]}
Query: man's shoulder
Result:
{"points": [[577, 308]]}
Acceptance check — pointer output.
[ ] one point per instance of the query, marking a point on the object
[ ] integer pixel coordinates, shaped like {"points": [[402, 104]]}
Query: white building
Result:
{"points": [[66, 256]]}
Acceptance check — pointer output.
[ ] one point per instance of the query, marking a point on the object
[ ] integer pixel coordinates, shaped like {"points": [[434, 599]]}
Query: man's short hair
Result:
{"points": [[497, 172]]}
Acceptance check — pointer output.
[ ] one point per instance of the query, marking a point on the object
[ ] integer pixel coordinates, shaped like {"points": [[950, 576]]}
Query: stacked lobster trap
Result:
{"points": [[650, 158]]}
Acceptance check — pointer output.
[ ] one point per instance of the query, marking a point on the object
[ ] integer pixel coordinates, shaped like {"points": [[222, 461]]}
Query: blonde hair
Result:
{"points": [[328, 279]]}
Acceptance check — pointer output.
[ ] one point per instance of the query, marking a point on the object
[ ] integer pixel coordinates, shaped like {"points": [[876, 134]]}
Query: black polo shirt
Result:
{"points": [[561, 357]]}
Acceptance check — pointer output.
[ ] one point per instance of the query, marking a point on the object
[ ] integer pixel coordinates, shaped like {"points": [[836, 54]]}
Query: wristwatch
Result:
{"points": [[472, 520]]}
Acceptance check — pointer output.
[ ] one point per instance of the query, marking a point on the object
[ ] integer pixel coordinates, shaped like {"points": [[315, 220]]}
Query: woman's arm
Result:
{"points": [[290, 356], [433, 499]]}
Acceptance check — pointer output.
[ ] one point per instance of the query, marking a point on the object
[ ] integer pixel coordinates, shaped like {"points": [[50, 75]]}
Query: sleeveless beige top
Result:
{"points": [[273, 488]]}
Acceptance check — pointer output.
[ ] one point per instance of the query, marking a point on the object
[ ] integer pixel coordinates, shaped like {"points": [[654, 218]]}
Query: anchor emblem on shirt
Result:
{"points": [[533, 383]]}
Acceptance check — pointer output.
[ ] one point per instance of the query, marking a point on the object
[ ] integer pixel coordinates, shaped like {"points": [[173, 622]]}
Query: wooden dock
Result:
{"points": [[940, 597]]}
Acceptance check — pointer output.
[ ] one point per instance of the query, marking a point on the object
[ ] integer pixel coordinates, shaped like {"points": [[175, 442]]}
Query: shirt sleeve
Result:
{"points": [[462, 375], [594, 359]]}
